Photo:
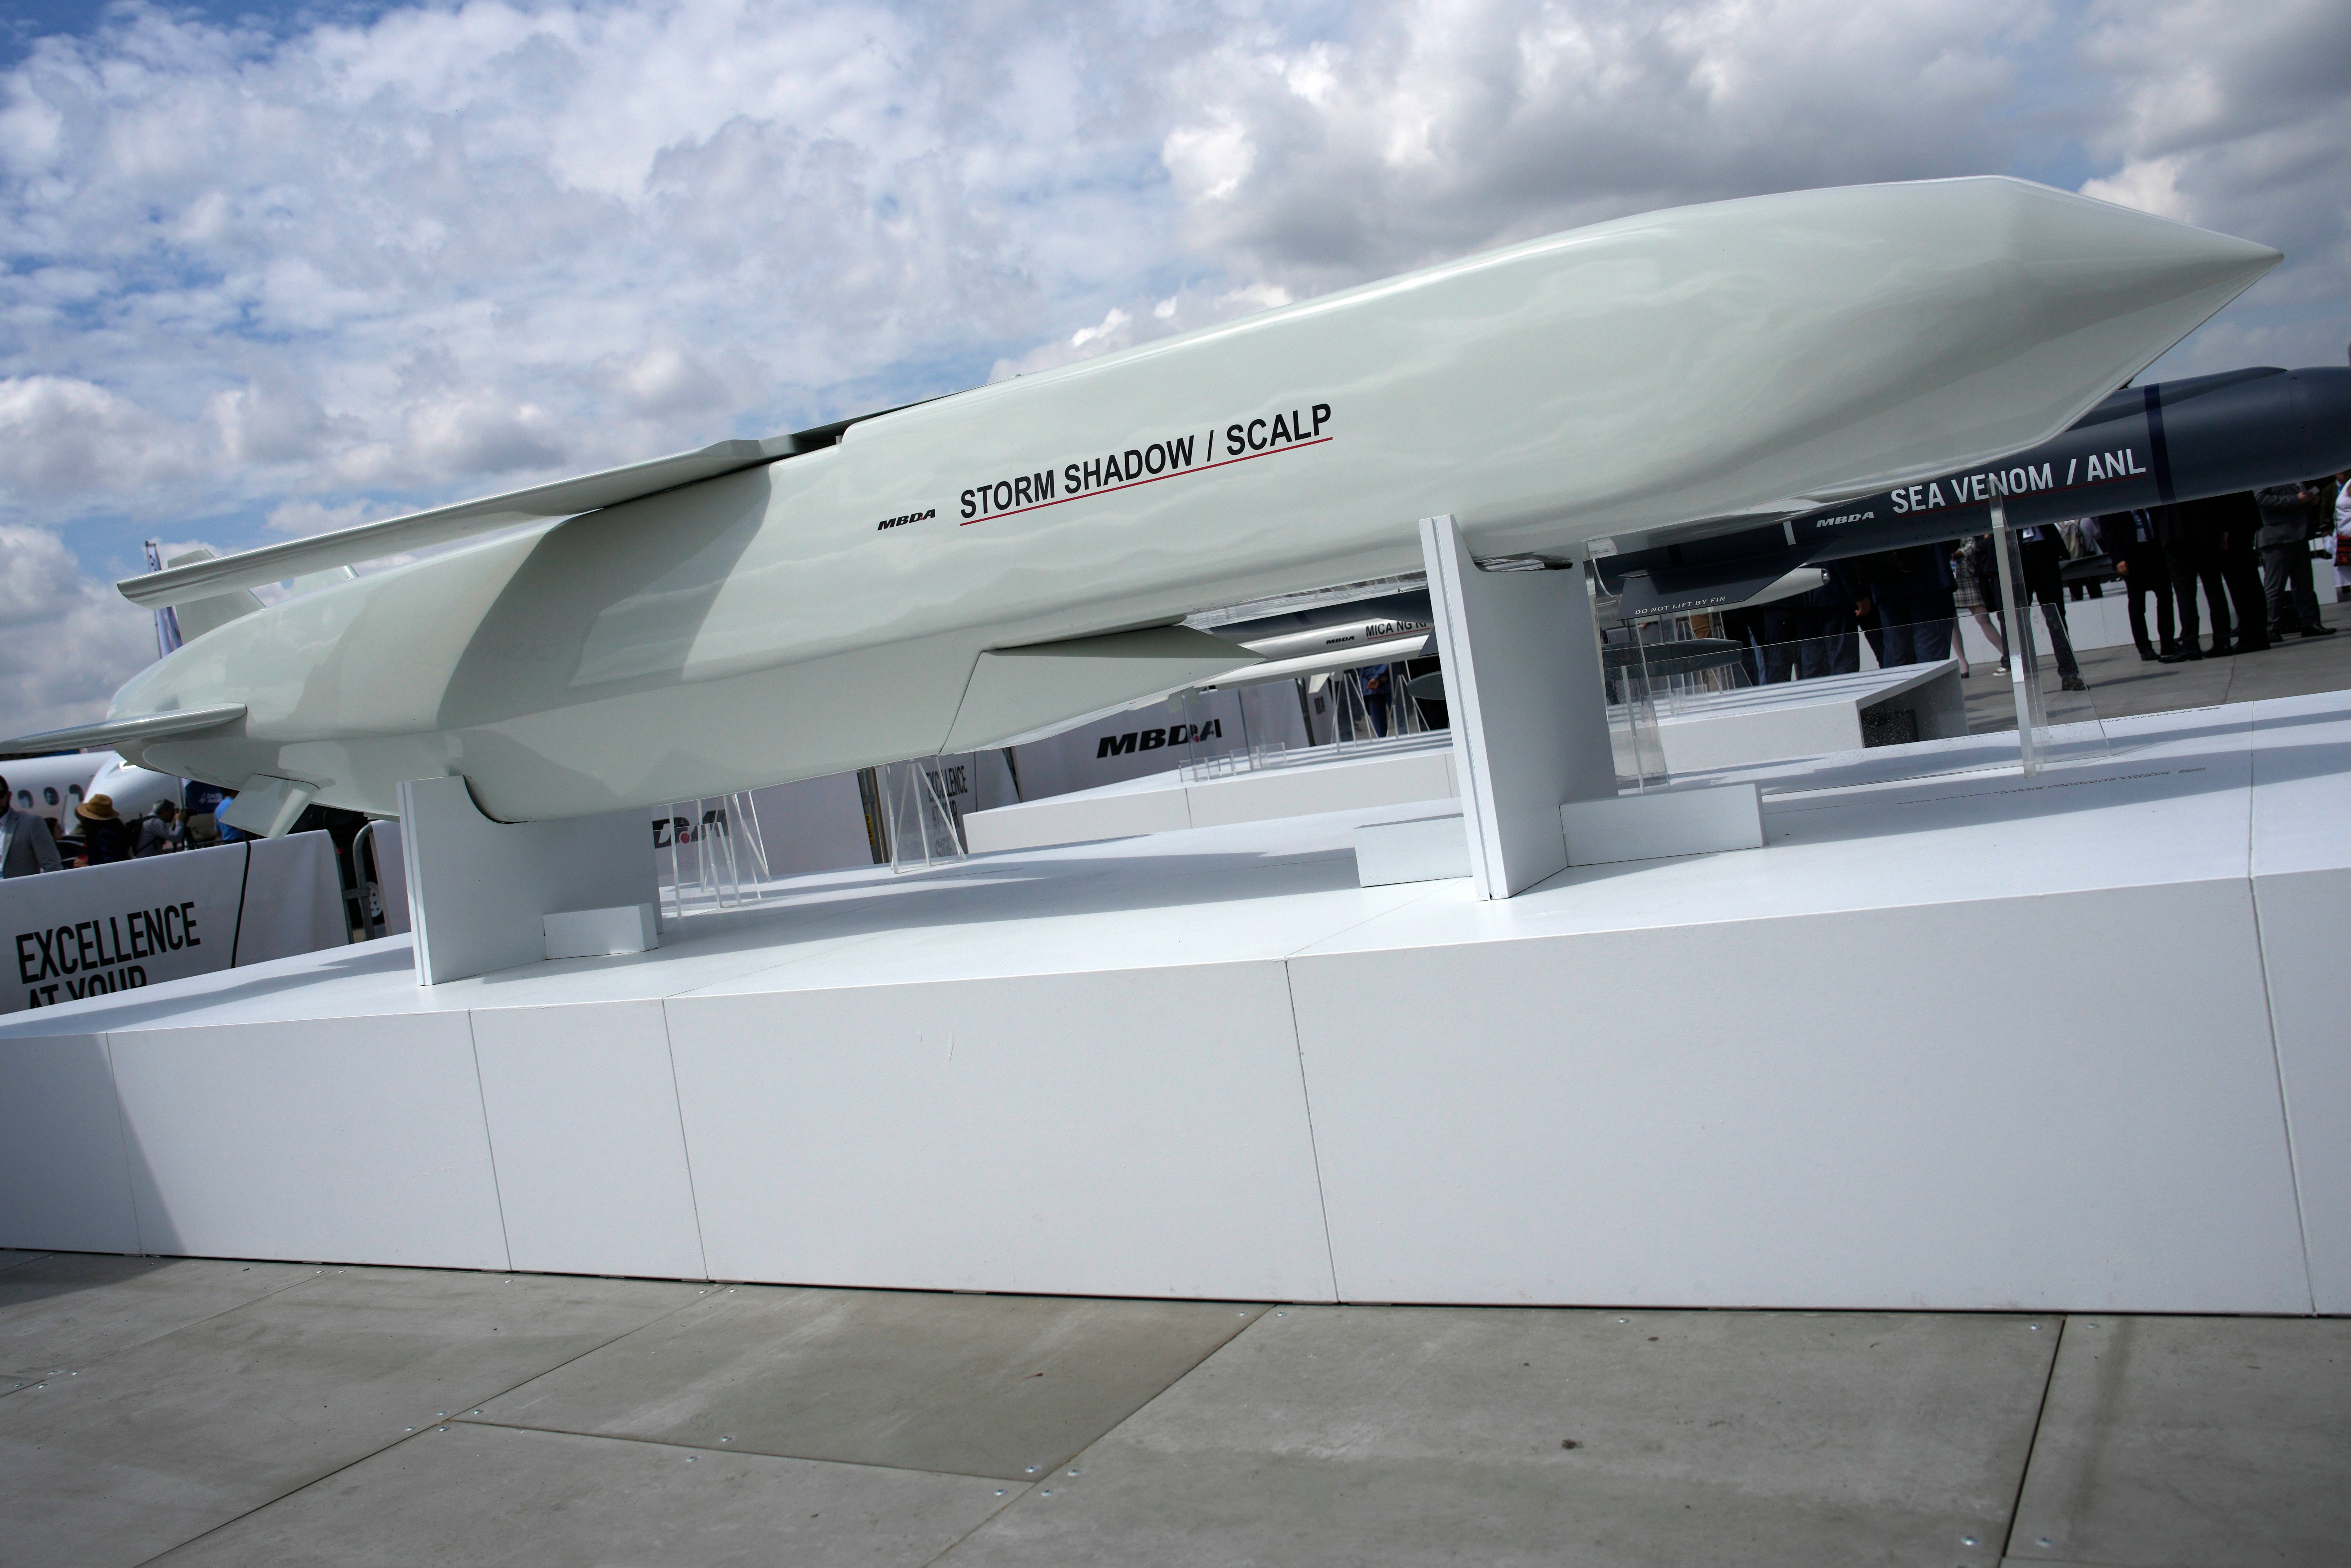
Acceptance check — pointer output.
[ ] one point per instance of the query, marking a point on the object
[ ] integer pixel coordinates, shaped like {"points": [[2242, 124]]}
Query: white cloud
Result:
{"points": [[2237, 118], [61, 436], [66, 642], [2150, 185]]}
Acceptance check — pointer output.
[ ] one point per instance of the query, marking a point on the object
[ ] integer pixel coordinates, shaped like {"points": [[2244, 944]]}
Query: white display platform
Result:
{"points": [[1390, 773], [1970, 1041], [1758, 724], [1799, 718]]}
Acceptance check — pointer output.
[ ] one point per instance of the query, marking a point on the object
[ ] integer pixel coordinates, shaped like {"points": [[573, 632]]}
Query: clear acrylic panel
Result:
{"points": [[921, 828], [703, 858], [2056, 720]]}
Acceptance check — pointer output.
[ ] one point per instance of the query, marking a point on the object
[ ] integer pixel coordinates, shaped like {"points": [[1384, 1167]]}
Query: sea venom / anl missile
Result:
{"points": [[945, 576], [2142, 446]]}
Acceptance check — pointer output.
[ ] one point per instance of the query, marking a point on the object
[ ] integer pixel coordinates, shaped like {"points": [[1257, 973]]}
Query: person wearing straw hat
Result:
{"points": [[26, 846], [105, 837]]}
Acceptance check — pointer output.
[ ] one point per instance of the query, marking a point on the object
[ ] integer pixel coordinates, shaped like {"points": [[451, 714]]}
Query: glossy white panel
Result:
{"points": [[583, 1125], [1792, 1112], [64, 1183], [1619, 828], [355, 1140], [1132, 1132]]}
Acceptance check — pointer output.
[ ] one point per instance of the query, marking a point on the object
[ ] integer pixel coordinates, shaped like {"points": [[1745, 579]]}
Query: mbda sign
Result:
{"points": [[1152, 739]]}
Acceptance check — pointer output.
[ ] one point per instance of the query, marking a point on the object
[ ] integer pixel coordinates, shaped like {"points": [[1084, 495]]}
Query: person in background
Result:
{"points": [[2082, 540], [2341, 537], [1375, 695], [2043, 561], [1827, 627], [2190, 559], [228, 834], [1856, 573], [2134, 541], [2292, 516], [1745, 627], [2235, 520], [1979, 593], [105, 837], [27, 849], [1913, 591], [160, 833]]}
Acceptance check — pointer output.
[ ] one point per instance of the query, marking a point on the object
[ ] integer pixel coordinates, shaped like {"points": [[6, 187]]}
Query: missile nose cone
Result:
{"points": [[2106, 285], [2136, 252]]}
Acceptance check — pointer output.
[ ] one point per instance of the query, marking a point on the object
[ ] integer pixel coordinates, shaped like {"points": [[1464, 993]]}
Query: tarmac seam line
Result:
{"points": [[2040, 1413], [421, 1431]]}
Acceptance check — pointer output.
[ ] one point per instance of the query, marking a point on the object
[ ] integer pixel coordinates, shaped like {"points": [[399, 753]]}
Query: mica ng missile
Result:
{"points": [[2141, 447], [945, 575]]}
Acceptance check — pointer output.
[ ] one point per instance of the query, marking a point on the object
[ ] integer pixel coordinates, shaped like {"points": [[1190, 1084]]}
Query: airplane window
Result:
{"points": [[25, 799], [74, 791], [49, 794]]}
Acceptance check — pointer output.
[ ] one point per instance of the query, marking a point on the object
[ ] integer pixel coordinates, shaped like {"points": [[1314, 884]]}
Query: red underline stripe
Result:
{"points": [[1136, 484]]}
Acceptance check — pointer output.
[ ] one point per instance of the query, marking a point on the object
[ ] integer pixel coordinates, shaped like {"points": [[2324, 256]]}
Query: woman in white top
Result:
{"points": [[2341, 537]]}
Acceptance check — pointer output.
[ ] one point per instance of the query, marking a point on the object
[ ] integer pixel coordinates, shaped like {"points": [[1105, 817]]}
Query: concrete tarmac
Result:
{"points": [[194, 1410]]}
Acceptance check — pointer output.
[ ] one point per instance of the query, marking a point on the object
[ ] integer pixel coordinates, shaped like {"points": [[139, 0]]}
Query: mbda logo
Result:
{"points": [[1152, 739]]}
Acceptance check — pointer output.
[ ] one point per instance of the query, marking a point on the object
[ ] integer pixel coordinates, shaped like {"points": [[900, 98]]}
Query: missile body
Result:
{"points": [[950, 574], [2142, 446]]}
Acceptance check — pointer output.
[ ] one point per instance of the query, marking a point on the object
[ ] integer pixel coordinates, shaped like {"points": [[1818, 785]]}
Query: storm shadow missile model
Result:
{"points": [[945, 576], [2142, 446]]}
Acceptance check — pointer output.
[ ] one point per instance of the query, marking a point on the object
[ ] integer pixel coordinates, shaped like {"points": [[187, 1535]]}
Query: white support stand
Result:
{"points": [[1528, 709], [479, 891]]}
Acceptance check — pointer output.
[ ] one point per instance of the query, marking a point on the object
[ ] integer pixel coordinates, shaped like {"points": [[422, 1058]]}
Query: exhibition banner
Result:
{"points": [[105, 928]]}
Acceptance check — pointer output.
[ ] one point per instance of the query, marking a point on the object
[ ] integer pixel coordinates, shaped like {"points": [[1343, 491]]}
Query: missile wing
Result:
{"points": [[952, 573], [2142, 446]]}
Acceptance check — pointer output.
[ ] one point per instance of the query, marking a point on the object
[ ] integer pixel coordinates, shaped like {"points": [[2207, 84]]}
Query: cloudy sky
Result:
{"points": [[270, 268]]}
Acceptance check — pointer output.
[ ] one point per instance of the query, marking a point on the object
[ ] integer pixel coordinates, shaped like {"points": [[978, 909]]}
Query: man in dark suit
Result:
{"points": [[2290, 517], [26, 847], [2235, 520], [1813, 634], [2134, 539], [2191, 558], [2041, 553], [1911, 592]]}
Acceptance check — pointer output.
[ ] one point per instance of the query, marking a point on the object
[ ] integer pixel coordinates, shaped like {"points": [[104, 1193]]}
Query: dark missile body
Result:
{"points": [[2143, 446]]}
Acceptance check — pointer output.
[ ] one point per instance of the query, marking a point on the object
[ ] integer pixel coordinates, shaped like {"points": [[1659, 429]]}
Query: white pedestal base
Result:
{"points": [[1423, 848], [597, 933], [479, 891], [1089, 1069], [1668, 822]]}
